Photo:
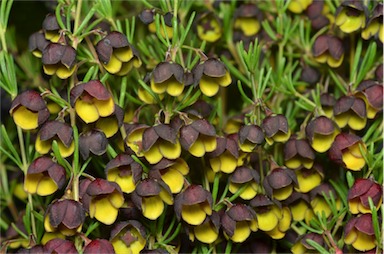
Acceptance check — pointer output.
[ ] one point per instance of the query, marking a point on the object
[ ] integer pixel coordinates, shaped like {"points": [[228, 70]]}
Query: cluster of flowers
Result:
{"points": [[180, 167]]}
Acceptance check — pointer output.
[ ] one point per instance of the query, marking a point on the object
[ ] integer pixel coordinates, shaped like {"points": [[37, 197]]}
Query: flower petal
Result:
{"points": [[193, 214], [152, 207], [86, 111], [105, 107], [174, 179], [209, 86], [114, 65], [46, 186], [169, 150], [25, 119], [103, 211], [206, 233]]}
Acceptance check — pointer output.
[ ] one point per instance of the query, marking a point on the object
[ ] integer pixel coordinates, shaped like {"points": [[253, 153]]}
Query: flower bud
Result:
{"points": [[93, 141]]}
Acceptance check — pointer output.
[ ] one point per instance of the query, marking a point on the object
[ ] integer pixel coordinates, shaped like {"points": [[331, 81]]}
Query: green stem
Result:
{"points": [[78, 13]]}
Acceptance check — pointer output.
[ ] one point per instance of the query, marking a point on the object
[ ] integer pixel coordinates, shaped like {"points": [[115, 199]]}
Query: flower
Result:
{"points": [[149, 197], [193, 205], [207, 231], [328, 49], [208, 27], [372, 93], [128, 237], [347, 150], [318, 199], [59, 59], [351, 111], [359, 233], [351, 15], [319, 14], [29, 110], [171, 172], [308, 179], [160, 141], [279, 183], [60, 246], [198, 137], [224, 158], [91, 101], [168, 77], [111, 124], [300, 206], [250, 136], [321, 132], [116, 54], [44, 177], [93, 141], [298, 153], [276, 129], [124, 171], [134, 139], [51, 27], [61, 132], [301, 246], [148, 18], [210, 75], [247, 18], [360, 192], [327, 101], [99, 246], [37, 43], [105, 200], [374, 27], [298, 6], [244, 176], [238, 222], [66, 216]]}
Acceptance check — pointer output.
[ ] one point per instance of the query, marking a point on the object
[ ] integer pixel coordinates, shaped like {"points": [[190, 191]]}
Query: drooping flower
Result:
{"points": [[99, 246], [128, 237], [244, 176], [207, 231], [298, 153], [61, 132], [29, 110], [328, 49], [308, 179], [149, 197], [347, 150], [318, 199], [111, 124], [247, 19], [134, 139], [301, 246], [359, 194], [37, 43], [351, 111], [319, 14], [351, 15], [59, 59], [44, 177], [91, 101], [124, 171], [93, 141], [372, 93], [58, 245], [327, 101], [300, 206], [359, 233], [116, 54], [276, 129], [250, 136], [208, 27], [105, 200], [224, 158], [374, 27], [51, 27], [279, 183], [321, 133], [298, 6]]}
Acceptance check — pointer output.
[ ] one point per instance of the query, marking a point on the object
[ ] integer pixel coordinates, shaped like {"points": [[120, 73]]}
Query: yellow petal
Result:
{"points": [[267, 221], [152, 207], [334, 63], [193, 214], [210, 143], [228, 162], [242, 232], [298, 248], [153, 155], [209, 86], [50, 69], [116, 199], [47, 226], [209, 35], [249, 26], [322, 58], [103, 211], [126, 183], [285, 221], [114, 65], [322, 143], [108, 125], [364, 242], [352, 24], [281, 136], [351, 237], [42, 147], [46, 186], [174, 179], [145, 96], [158, 88], [319, 205], [166, 197], [25, 119], [309, 182], [293, 163], [31, 182], [120, 247], [63, 72], [123, 54], [206, 233], [215, 164], [357, 123], [250, 191], [283, 193], [276, 233], [66, 151], [169, 150], [105, 108], [225, 80], [371, 30], [299, 210], [174, 88], [353, 205], [86, 111], [49, 236], [197, 149], [352, 162]]}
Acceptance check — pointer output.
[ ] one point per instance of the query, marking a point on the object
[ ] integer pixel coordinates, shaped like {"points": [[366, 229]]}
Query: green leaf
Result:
{"points": [[317, 246]]}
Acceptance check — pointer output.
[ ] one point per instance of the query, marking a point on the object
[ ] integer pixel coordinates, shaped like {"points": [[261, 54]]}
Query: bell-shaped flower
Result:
{"points": [[209, 27], [224, 158], [308, 179], [116, 54], [111, 124], [244, 176], [298, 153], [211, 74], [37, 43], [359, 194], [91, 101], [276, 129], [105, 200], [193, 205], [301, 246], [198, 137], [319, 14], [347, 150], [351, 111], [372, 93], [351, 16], [160, 141], [238, 222], [168, 77], [298, 6], [128, 237], [44, 177], [59, 59], [29, 110], [134, 139], [328, 49], [171, 172], [51, 27], [61, 132], [321, 132], [124, 171], [374, 27], [66, 216], [58, 245], [148, 18], [300, 206], [250, 136], [247, 19], [318, 199], [208, 231], [92, 141], [99, 246], [359, 233], [149, 197], [279, 183], [327, 102]]}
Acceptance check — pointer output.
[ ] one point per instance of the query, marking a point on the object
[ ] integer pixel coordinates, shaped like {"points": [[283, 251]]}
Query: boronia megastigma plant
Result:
{"points": [[178, 126]]}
